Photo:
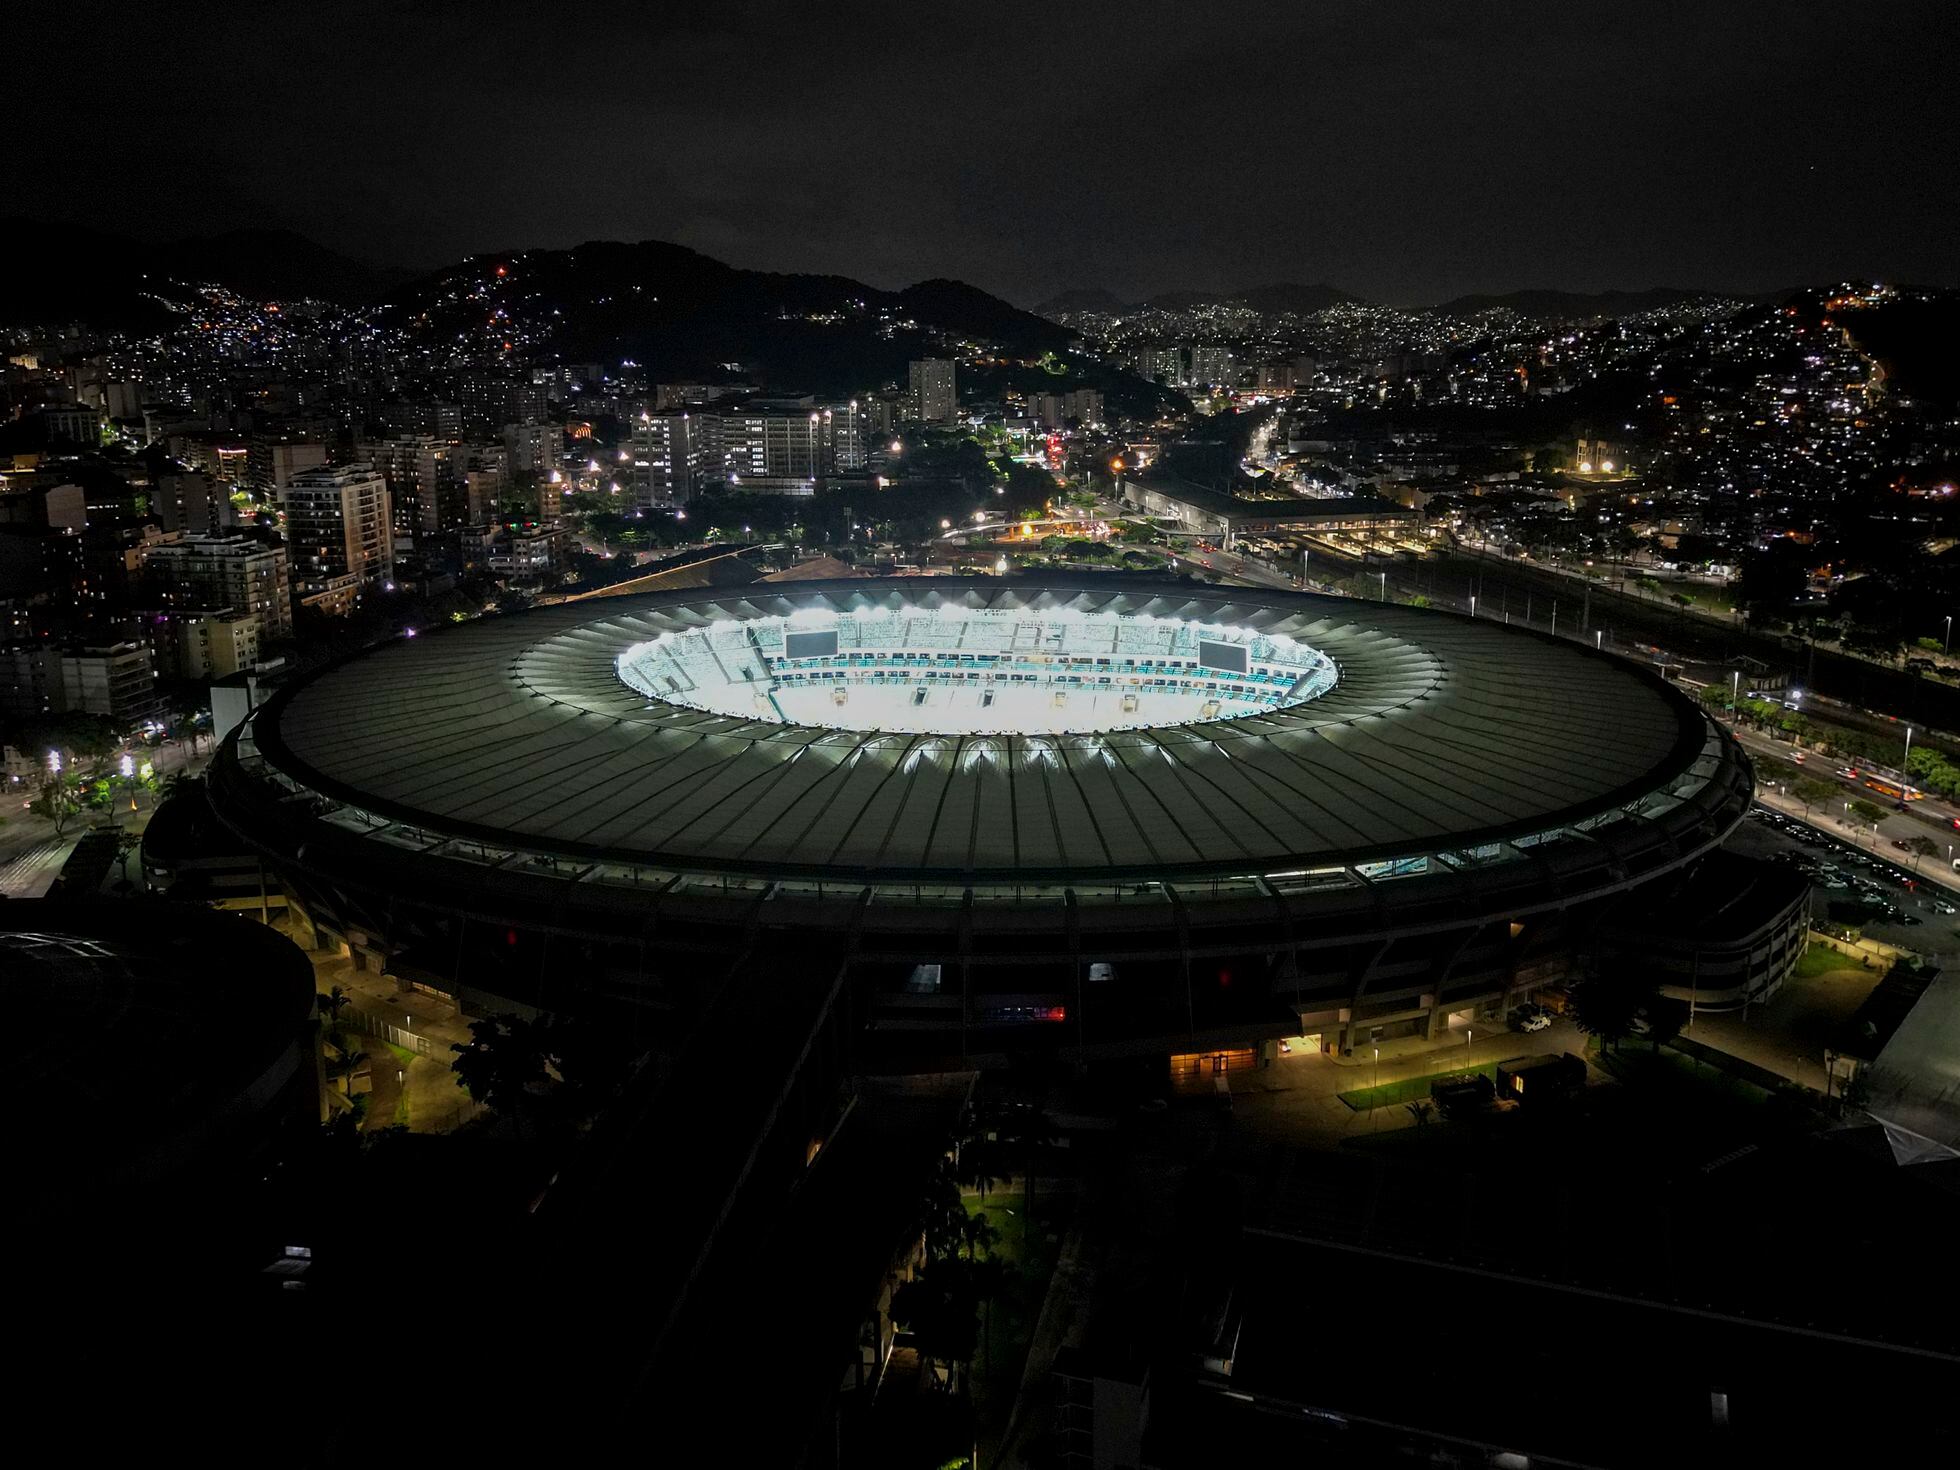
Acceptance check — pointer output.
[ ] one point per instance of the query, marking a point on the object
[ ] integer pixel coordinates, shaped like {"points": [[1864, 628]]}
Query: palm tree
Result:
{"points": [[1027, 1130], [350, 1063], [976, 1234]]}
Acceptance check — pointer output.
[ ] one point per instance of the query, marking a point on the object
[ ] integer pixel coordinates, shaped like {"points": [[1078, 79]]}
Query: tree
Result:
{"points": [[1027, 1131], [1608, 1000], [333, 1003], [1867, 811], [126, 843], [56, 802], [977, 1233], [1664, 1016], [1813, 792], [500, 1063], [1421, 1110], [939, 1307], [349, 1063], [980, 1161]]}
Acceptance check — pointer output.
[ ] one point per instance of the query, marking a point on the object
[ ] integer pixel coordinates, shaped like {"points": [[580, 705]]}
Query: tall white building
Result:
{"points": [[338, 534], [933, 397], [1211, 365], [674, 456]]}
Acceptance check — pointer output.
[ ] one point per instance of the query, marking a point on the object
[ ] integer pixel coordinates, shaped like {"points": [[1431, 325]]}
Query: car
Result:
{"points": [[1940, 905], [1538, 1022], [1902, 844]]}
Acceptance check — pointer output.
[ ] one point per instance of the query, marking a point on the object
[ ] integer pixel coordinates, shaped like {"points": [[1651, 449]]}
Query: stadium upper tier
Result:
{"points": [[1350, 742], [976, 671]]}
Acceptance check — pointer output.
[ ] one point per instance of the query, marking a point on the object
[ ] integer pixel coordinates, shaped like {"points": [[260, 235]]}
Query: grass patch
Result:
{"points": [[1821, 959], [1670, 1070], [402, 1054], [1412, 1089], [1008, 1322]]}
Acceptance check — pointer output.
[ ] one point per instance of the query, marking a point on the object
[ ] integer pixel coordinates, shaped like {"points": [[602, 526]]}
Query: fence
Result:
{"points": [[1865, 951], [1739, 1067], [358, 1020]]}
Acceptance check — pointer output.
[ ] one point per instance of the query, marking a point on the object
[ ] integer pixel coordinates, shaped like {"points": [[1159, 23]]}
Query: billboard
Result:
{"points": [[810, 645], [1227, 658]]}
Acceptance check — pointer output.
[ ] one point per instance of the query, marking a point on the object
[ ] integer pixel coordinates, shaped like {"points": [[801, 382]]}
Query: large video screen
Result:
{"points": [[810, 645], [1227, 658]]}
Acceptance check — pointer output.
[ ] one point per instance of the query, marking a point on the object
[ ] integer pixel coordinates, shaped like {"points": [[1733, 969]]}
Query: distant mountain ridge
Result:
{"points": [[74, 273], [673, 310], [269, 264], [1305, 300], [1572, 305], [1278, 297]]}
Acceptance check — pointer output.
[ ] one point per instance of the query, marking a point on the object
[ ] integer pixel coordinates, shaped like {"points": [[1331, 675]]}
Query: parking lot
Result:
{"points": [[1877, 890]]}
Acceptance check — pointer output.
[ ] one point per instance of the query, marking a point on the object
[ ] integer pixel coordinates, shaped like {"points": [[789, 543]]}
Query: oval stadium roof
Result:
{"points": [[1442, 733]]}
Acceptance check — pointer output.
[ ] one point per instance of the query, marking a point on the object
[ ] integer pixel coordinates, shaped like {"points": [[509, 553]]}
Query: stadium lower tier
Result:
{"points": [[1143, 969]]}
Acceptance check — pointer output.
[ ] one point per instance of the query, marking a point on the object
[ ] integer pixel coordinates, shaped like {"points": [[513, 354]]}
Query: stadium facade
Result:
{"points": [[1107, 816]]}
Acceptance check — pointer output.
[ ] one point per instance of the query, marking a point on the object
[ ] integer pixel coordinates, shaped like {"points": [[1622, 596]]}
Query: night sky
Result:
{"points": [[1405, 152]]}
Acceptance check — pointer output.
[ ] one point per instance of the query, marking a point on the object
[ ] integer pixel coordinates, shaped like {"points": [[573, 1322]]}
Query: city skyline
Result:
{"points": [[983, 736]]}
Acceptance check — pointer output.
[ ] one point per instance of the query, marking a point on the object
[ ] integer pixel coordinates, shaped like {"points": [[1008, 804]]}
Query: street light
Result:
{"points": [[1947, 646]]}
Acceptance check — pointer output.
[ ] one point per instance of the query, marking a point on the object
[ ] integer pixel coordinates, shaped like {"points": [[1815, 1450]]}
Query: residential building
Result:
{"points": [[528, 551], [675, 455], [339, 535], [533, 449], [1211, 365], [72, 423], [113, 679], [201, 644], [194, 502], [249, 577], [30, 680], [933, 397], [272, 461], [1056, 410]]}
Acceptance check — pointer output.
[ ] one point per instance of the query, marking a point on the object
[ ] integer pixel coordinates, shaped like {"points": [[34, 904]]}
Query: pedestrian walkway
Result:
{"points": [[28, 872], [414, 1082]]}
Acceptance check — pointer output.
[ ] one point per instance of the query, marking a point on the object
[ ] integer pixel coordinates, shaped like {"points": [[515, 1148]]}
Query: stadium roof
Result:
{"points": [[1442, 734]]}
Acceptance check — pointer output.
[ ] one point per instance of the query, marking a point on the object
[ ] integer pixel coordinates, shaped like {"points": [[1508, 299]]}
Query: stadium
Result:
{"points": [[1107, 816]]}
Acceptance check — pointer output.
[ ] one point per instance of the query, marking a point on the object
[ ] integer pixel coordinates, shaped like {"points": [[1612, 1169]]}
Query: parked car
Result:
{"points": [[1531, 1021]]}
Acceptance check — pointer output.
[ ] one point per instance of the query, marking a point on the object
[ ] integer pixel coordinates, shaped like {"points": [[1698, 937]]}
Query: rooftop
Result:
{"points": [[1441, 735]]}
